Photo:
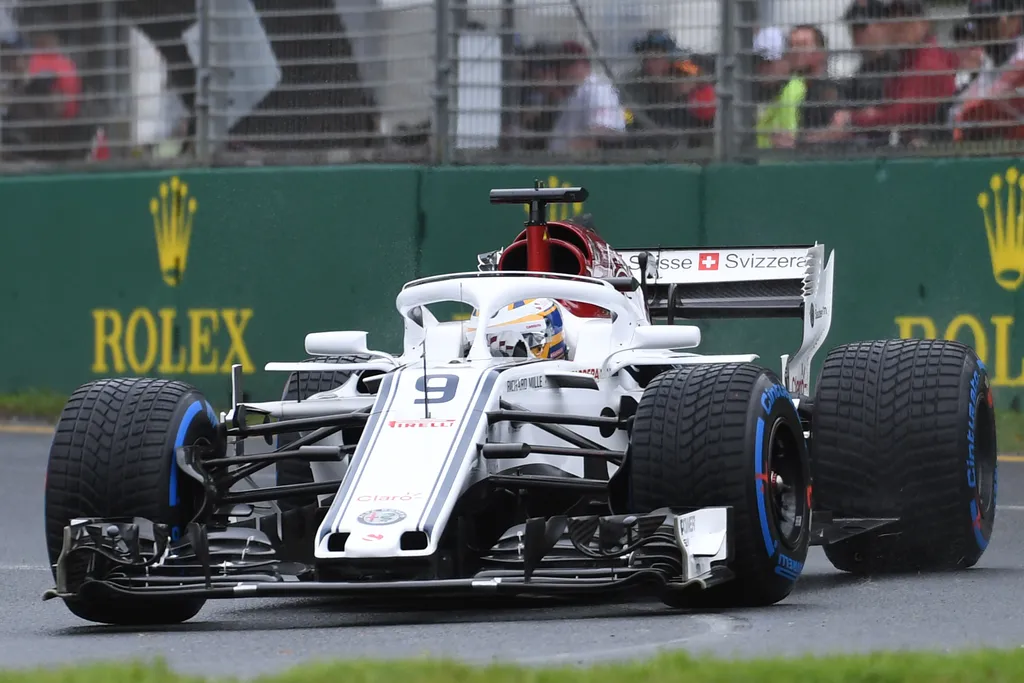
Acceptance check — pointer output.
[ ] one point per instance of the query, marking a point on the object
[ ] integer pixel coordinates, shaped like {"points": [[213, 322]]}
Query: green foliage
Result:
{"points": [[982, 666]]}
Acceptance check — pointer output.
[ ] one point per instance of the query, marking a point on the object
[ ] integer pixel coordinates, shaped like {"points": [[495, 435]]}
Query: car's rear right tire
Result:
{"points": [[727, 435], [905, 428]]}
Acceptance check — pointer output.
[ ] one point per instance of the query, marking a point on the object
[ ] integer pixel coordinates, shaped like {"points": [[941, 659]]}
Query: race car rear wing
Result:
{"points": [[784, 281], [726, 282]]}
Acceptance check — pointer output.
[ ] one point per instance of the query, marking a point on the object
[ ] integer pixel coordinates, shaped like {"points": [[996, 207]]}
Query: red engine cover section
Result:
{"points": [[575, 250]]}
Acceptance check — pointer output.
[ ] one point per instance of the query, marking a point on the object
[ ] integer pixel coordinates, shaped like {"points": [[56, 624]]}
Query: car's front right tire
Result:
{"points": [[728, 435]]}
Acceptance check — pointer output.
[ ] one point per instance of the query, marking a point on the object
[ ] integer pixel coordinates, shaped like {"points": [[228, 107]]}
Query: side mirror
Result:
{"points": [[336, 343], [666, 337]]}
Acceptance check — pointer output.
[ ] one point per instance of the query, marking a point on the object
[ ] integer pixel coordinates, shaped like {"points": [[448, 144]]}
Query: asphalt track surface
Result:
{"points": [[827, 612]]}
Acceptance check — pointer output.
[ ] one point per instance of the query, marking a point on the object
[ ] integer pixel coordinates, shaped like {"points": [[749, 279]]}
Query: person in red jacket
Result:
{"points": [[671, 99], [992, 106], [48, 61], [913, 97]]}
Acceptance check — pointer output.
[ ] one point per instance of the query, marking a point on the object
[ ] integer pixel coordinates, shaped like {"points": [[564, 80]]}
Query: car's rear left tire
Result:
{"points": [[113, 455], [905, 428], [720, 435]]}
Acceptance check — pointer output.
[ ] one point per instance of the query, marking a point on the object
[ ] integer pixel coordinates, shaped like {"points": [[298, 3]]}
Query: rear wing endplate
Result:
{"points": [[784, 281]]}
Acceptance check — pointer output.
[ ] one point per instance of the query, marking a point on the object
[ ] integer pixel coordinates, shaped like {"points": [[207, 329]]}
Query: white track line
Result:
{"points": [[42, 430], [717, 626], [6, 567]]}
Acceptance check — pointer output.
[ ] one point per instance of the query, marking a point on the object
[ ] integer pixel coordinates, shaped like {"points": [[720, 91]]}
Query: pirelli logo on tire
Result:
{"points": [[167, 339]]}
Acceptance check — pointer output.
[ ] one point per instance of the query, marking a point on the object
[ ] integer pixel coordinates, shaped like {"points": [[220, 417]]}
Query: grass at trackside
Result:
{"points": [[989, 666], [1010, 431], [46, 406], [32, 405]]}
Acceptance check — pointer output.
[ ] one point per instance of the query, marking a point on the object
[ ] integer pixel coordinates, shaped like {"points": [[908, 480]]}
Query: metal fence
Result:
{"points": [[163, 82]]}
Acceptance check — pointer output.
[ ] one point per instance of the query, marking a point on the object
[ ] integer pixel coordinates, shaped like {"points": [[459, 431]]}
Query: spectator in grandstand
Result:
{"points": [[865, 88], [778, 119], [970, 54], [808, 60], [771, 68], [591, 110], [13, 57], [670, 100], [990, 107], [48, 61], [47, 97], [13, 60], [539, 98], [912, 97], [971, 59]]}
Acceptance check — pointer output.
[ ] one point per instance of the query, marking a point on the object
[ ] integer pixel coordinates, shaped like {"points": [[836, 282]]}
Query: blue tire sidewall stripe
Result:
{"points": [[196, 409], [179, 440], [977, 386], [786, 567], [762, 512]]}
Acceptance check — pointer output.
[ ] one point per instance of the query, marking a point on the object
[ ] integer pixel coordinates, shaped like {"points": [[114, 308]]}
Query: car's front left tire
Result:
{"points": [[113, 455]]}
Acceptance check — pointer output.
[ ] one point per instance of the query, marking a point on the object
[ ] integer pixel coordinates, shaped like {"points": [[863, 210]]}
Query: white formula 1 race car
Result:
{"points": [[557, 443]]}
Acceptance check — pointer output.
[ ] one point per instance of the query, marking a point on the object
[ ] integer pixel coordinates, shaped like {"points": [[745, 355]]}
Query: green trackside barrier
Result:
{"points": [[631, 205], [930, 248], [184, 274], [245, 262]]}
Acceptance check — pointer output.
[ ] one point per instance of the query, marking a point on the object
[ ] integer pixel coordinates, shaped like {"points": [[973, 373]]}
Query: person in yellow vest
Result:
{"points": [[778, 119]]}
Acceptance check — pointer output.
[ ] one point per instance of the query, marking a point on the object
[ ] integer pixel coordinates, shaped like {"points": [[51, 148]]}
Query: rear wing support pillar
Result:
{"points": [[538, 251]]}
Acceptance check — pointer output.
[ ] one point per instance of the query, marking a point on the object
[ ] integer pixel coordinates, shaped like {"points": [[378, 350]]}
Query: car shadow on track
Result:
{"points": [[302, 614], [306, 613], [813, 593]]}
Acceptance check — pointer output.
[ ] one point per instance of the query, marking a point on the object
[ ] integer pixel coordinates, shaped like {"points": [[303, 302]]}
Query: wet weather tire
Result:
{"points": [[299, 387], [113, 455], [724, 435], [905, 428]]}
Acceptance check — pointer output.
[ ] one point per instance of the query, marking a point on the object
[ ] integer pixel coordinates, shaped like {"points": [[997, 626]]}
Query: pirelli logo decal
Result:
{"points": [[418, 424]]}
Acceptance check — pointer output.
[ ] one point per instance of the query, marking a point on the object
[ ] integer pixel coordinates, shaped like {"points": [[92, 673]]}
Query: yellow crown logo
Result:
{"points": [[559, 212], [1004, 226], [172, 220]]}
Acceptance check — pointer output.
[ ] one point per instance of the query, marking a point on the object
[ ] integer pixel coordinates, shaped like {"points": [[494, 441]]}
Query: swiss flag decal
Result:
{"points": [[708, 260]]}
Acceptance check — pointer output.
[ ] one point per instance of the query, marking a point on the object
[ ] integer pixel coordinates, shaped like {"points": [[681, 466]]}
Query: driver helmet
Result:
{"points": [[526, 328]]}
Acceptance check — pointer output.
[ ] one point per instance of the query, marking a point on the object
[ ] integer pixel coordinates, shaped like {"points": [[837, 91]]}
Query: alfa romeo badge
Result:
{"points": [[381, 517]]}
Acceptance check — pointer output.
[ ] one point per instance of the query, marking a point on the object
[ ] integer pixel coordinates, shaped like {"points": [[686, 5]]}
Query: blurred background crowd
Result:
{"points": [[912, 87], [123, 81]]}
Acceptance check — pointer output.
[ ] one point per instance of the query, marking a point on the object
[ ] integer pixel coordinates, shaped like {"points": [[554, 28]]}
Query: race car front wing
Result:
{"points": [[666, 550]]}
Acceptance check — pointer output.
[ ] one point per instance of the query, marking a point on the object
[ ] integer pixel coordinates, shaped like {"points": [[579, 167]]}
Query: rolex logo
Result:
{"points": [[172, 213], [1004, 225]]}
